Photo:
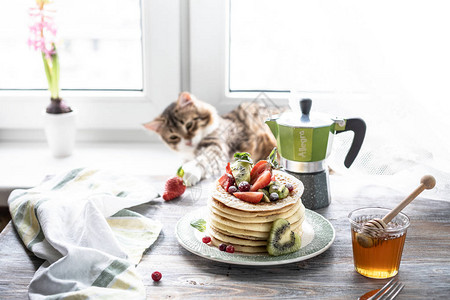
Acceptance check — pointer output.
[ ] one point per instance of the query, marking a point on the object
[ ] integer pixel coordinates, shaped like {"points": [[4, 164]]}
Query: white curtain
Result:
{"points": [[402, 55], [391, 57]]}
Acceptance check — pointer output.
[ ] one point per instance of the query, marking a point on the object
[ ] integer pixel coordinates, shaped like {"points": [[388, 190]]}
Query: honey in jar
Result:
{"points": [[382, 259]]}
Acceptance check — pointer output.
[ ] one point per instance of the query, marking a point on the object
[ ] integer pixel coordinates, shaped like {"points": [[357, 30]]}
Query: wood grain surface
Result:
{"points": [[425, 267], [5, 217]]}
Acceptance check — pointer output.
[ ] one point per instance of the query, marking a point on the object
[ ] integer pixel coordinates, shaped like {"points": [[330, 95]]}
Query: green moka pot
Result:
{"points": [[304, 143]]}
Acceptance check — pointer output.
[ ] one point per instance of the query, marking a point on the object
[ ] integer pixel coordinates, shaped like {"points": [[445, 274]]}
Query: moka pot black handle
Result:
{"points": [[358, 126]]}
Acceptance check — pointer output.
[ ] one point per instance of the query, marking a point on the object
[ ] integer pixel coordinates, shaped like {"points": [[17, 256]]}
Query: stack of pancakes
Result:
{"points": [[245, 225]]}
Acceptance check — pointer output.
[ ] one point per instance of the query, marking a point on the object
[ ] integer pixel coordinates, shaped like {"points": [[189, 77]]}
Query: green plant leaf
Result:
{"points": [[199, 224], [47, 71], [51, 66], [180, 172], [56, 69]]}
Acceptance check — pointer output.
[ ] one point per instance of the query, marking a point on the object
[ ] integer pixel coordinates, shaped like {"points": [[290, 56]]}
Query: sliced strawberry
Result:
{"points": [[226, 181], [262, 181], [228, 169], [257, 169], [252, 197]]}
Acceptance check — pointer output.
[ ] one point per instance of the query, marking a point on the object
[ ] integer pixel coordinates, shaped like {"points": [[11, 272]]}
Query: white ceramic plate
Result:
{"points": [[318, 236]]}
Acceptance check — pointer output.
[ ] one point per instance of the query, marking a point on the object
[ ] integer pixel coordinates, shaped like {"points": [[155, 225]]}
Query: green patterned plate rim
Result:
{"points": [[190, 239]]}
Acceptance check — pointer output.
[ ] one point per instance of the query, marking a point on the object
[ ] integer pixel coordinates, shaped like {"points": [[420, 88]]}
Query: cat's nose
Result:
{"points": [[188, 142]]}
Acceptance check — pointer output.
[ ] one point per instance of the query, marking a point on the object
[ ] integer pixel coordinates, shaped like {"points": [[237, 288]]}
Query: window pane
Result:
{"points": [[99, 45], [334, 46]]}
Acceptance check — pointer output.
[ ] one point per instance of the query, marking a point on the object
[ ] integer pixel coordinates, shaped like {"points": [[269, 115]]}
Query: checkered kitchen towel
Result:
{"points": [[76, 221]]}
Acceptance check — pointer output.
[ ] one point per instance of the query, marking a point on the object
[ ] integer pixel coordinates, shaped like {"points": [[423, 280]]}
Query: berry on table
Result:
{"points": [[156, 276], [222, 247], [230, 249], [175, 186], [206, 239]]}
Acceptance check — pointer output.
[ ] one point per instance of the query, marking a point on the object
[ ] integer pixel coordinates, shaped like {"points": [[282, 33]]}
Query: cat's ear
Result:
{"points": [[184, 99], [155, 125]]}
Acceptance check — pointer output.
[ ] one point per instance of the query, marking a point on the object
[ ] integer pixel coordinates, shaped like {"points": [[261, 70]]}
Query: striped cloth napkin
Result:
{"points": [[77, 223]]}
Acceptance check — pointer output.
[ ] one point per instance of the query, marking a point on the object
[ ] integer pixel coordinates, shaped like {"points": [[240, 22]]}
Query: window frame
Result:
{"points": [[119, 111]]}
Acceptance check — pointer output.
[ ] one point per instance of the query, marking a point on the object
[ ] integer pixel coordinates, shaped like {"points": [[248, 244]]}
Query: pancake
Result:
{"points": [[227, 239], [247, 237], [252, 217], [241, 213], [234, 240], [247, 226], [240, 244], [230, 201], [242, 236], [240, 232], [240, 248], [260, 227]]}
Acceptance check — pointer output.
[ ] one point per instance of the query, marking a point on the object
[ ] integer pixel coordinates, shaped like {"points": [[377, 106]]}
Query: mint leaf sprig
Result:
{"points": [[272, 158], [199, 224], [243, 157]]}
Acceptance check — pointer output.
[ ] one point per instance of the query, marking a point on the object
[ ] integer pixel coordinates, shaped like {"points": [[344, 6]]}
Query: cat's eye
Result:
{"points": [[173, 137], [189, 125], [178, 120]]}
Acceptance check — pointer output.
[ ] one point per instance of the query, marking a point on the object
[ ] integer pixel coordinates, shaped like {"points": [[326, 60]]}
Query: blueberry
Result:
{"points": [[289, 186], [232, 189], [222, 247], [244, 186], [273, 197]]}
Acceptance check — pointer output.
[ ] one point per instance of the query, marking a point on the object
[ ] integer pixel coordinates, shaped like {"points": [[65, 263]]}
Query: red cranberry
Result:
{"points": [[222, 247], [206, 239], [290, 187], [156, 276], [230, 249], [244, 186]]}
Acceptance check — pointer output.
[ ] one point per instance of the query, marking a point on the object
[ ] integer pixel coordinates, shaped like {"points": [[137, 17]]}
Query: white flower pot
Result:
{"points": [[60, 130]]}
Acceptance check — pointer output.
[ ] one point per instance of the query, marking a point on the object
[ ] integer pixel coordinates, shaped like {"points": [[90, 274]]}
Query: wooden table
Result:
{"points": [[425, 267]]}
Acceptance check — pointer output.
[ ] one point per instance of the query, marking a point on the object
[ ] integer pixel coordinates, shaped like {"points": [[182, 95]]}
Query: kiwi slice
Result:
{"points": [[274, 188], [284, 192], [265, 196], [278, 188], [241, 171], [282, 240]]}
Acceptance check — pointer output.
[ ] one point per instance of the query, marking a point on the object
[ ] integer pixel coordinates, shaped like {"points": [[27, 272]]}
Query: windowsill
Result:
{"points": [[24, 165]]}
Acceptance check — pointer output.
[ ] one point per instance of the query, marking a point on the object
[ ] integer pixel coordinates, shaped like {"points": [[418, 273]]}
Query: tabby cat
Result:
{"points": [[207, 141]]}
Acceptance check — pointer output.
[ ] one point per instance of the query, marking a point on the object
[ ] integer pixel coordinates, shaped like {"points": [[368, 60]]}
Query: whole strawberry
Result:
{"points": [[175, 186]]}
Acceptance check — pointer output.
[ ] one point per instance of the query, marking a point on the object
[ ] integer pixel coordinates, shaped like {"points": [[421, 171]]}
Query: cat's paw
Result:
{"points": [[192, 173]]}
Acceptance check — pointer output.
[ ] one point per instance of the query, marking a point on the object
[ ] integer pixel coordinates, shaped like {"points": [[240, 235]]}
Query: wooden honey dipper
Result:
{"points": [[370, 229]]}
